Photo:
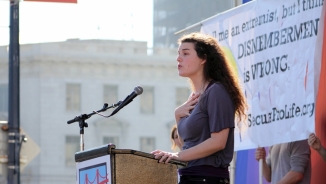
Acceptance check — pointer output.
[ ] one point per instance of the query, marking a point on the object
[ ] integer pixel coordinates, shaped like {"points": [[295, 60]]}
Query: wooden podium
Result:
{"points": [[107, 165]]}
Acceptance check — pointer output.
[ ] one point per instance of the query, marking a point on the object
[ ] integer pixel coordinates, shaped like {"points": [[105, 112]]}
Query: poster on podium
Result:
{"points": [[95, 171]]}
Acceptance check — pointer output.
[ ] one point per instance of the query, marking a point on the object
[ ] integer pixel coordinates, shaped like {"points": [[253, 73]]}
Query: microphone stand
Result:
{"points": [[82, 123]]}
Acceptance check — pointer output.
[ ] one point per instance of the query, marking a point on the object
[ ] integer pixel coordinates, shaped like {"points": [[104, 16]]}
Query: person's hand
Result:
{"points": [[164, 157], [260, 153], [184, 109], [314, 142]]}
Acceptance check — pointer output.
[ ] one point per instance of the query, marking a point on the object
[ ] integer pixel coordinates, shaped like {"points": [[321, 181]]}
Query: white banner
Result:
{"points": [[271, 44]]}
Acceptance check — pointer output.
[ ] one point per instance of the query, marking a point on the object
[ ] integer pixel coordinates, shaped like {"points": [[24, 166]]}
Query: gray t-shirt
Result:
{"points": [[294, 156], [213, 113]]}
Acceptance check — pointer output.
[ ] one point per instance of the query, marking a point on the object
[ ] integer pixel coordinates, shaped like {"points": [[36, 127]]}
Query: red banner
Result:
{"points": [[318, 166], [55, 1]]}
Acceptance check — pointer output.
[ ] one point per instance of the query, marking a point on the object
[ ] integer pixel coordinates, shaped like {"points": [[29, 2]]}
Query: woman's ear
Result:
{"points": [[204, 60]]}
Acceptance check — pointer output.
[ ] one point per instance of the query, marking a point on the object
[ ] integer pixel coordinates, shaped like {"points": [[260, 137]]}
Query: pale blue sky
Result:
{"points": [[89, 19]]}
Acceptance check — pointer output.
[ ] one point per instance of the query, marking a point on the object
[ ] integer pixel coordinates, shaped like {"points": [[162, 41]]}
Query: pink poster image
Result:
{"points": [[96, 174], [94, 171]]}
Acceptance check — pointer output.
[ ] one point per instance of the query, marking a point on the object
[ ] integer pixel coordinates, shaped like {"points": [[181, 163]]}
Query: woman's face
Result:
{"points": [[189, 64], [176, 139]]}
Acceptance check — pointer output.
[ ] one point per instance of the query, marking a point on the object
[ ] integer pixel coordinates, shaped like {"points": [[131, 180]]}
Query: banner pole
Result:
{"points": [[232, 168], [260, 171]]}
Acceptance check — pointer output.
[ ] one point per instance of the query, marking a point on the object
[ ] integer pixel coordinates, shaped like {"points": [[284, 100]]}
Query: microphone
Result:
{"points": [[137, 91]]}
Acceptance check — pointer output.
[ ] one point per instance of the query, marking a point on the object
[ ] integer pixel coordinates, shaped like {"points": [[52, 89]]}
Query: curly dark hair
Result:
{"points": [[218, 68]]}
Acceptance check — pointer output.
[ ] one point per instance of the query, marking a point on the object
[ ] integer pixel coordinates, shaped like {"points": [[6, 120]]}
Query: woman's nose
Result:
{"points": [[178, 58]]}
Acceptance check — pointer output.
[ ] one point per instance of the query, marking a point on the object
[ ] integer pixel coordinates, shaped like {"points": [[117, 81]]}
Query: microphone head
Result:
{"points": [[138, 90], [105, 105]]}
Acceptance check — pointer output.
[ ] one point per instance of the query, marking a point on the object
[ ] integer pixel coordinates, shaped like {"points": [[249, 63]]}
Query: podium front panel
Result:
{"points": [[134, 169]]}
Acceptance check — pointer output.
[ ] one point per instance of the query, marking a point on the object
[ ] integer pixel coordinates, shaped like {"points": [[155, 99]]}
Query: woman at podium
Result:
{"points": [[206, 121]]}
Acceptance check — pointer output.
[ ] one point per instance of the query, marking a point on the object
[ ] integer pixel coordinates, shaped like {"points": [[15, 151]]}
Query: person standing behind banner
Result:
{"points": [[176, 143], [206, 120], [314, 142], [286, 163]]}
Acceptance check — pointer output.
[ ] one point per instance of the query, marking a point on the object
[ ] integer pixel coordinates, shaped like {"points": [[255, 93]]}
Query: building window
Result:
{"points": [[159, 15], [172, 29], [73, 97], [181, 95], [72, 146], [111, 139], [4, 98], [110, 94], [160, 31], [147, 101], [147, 144]]}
